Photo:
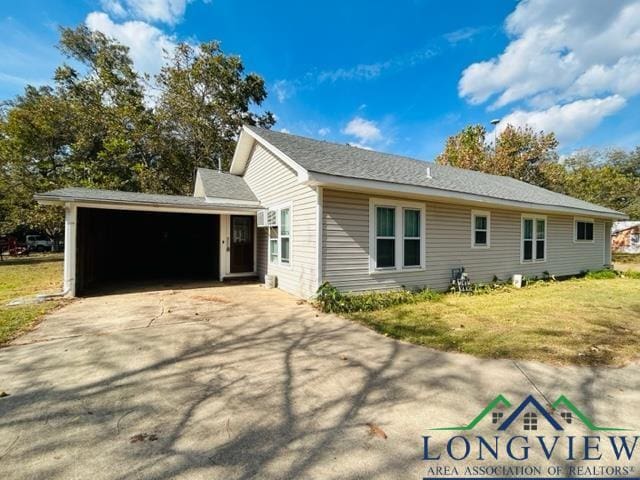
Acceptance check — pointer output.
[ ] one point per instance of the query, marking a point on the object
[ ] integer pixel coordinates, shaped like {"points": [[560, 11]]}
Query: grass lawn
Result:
{"points": [[24, 277], [584, 321]]}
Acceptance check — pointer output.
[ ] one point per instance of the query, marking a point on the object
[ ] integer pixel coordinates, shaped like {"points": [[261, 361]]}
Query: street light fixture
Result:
{"points": [[495, 123]]}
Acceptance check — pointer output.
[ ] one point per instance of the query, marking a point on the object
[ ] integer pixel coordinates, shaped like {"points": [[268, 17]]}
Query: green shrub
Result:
{"points": [[330, 300], [601, 274]]}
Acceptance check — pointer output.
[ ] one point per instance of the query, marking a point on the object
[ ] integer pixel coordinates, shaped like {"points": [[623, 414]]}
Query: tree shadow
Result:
{"points": [[276, 392]]}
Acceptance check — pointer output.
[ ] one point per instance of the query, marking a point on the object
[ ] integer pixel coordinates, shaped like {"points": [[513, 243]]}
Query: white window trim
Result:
{"points": [[534, 233], [480, 213], [399, 206], [278, 208], [575, 229]]}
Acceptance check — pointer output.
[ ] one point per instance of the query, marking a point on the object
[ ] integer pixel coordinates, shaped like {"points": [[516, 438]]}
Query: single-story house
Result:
{"points": [[308, 211], [625, 237]]}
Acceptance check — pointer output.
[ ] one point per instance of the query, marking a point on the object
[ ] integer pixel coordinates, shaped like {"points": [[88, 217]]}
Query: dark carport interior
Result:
{"points": [[124, 246]]}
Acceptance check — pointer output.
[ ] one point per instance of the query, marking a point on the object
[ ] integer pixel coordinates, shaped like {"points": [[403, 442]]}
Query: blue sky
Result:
{"points": [[395, 76]]}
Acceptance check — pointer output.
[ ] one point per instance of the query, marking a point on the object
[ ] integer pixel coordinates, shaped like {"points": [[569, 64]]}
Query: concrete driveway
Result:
{"points": [[236, 382]]}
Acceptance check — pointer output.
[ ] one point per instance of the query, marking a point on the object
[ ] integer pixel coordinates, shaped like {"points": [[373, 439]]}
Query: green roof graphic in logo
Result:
{"points": [[562, 401], [494, 403]]}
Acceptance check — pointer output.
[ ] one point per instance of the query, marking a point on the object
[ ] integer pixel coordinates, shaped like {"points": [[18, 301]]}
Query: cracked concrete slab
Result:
{"points": [[237, 382]]}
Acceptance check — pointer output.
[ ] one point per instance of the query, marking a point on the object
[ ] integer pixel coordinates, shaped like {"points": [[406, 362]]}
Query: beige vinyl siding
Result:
{"points": [[275, 184], [262, 245], [345, 259]]}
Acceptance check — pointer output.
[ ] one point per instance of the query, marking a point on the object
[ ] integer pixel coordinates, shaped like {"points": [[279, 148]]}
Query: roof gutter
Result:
{"points": [[436, 194]]}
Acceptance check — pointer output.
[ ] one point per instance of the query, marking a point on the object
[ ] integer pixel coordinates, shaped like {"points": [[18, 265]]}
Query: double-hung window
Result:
{"points": [[280, 237], [583, 230], [534, 239], [480, 229], [411, 246], [285, 235], [396, 240], [385, 237]]}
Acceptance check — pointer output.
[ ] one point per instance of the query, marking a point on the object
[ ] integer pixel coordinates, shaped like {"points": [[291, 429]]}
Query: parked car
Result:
{"points": [[38, 243]]}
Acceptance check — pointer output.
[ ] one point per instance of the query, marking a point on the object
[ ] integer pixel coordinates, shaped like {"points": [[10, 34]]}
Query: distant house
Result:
{"points": [[307, 211], [625, 237]]}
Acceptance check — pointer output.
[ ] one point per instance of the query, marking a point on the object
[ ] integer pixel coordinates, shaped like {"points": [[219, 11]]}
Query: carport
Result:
{"points": [[114, 237]]}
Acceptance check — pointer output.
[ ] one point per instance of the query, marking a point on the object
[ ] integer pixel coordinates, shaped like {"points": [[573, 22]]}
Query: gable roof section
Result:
{"points": [[225, 185], [349, 162]]}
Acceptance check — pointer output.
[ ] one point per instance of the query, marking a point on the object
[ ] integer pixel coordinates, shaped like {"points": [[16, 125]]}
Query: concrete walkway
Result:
{"points": [[237, 382]]}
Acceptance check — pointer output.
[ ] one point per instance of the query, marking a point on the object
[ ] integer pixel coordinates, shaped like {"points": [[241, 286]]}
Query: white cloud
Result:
{"points": [[462, 34], [146, 43], [561, 52], [324, 131], [553, 44], [365, 130], [569, 121], [114, 7], [284, 130], [357, 72], [167, 11], [359, 145], [284, 89]]}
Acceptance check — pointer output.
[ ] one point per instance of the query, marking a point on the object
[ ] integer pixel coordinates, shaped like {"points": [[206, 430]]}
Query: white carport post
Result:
{"points": [[70, 220]]}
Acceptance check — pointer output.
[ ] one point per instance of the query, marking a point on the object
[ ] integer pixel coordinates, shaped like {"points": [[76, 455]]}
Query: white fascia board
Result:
{"points": [[245, 146], [436, 194], [242, 152], [139, 207], [230, 201], [198, 183]]}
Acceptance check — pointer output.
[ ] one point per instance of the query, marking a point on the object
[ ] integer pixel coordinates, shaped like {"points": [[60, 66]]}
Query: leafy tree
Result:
{"points": [[101, 124], [205, 98], [608, 178], [517, 152]]}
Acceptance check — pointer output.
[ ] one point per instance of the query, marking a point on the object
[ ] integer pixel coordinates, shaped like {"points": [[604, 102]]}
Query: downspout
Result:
{"points": [[319, 232]]}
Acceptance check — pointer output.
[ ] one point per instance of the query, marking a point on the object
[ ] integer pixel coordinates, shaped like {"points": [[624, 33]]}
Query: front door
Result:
{"points": [[241, 251]]}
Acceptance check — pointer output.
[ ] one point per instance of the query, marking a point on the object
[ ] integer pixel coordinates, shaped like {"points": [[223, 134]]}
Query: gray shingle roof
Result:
{"points": [[347, 161], [116, 196], [225, 185]]}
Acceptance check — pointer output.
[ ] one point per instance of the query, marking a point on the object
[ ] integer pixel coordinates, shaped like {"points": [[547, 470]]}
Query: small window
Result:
{"points": [[541, 236], [273, 244], [567, 417], [584, 231], [480, 225], [496, 416], [527, 240], [285, 235], [530, 421], [534, 239], [280, 236], [385, 237], [411, 237]]}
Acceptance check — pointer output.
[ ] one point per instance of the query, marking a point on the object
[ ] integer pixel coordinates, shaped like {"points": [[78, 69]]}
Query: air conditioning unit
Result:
{"points": [[272, 218], [261, 218], [266, 218]]}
